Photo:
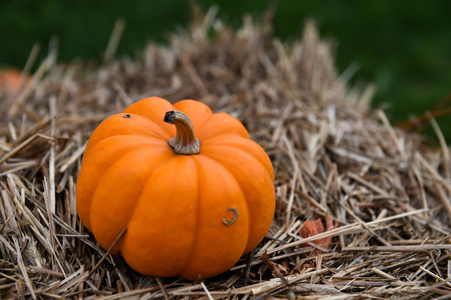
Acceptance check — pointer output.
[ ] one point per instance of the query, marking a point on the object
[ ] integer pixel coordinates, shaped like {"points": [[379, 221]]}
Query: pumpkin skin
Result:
{"points": [[175, 207]]}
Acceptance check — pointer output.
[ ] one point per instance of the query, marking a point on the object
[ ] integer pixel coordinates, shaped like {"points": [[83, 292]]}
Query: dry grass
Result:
{"points": [[333, 157]]}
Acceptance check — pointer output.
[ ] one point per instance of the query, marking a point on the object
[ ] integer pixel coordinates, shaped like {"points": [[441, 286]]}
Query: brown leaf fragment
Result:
{"points": [[314, 227]]}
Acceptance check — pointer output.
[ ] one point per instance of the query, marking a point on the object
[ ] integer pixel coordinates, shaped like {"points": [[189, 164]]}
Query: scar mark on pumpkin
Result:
{"points": [[235, 217], [127, 116]]}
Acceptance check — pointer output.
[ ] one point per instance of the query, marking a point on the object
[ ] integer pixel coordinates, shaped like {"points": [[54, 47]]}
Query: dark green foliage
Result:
{"points": [[401, 46], [83, 28]]}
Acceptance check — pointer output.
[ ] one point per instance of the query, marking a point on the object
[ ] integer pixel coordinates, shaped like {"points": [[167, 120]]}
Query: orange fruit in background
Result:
{"points": [[10, 78]]}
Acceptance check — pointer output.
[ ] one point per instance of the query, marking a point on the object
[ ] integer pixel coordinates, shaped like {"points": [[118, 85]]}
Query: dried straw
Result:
{"points": [[333, 157]]}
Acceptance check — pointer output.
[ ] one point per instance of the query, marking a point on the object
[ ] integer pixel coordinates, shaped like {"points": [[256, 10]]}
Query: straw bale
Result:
{"points": [[334, 157]]}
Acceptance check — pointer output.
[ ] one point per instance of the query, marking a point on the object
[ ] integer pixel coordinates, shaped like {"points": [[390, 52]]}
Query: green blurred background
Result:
{"points": [[403, 47]]}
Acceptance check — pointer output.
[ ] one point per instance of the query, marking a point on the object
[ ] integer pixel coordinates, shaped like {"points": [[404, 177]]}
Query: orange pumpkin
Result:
{"points": [[193, 197], [10, 79]]}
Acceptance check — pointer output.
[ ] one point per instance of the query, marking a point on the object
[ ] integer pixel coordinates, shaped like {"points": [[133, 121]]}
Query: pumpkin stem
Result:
{"points": [[184, 142]]}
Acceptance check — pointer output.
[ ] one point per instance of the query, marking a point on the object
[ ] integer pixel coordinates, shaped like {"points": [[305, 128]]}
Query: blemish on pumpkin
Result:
{"points": [[235, 217], [127, 116]]}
